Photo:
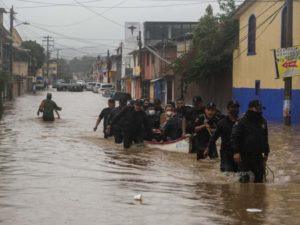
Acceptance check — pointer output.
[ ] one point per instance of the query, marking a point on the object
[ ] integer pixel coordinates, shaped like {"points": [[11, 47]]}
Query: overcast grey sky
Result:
{"points": [[93, 26]]}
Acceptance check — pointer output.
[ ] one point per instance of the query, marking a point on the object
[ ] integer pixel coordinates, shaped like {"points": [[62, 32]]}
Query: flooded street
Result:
{"points": [[64, 173]]}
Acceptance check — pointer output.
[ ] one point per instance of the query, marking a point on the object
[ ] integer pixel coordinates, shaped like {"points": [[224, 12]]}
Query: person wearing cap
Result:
{"points": [[205, 125], [135, 124], [249, 142], [224, 129], [117, 128], [47, 107], [104, 115]]}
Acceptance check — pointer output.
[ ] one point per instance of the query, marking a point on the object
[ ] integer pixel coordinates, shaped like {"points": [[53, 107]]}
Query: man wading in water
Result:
{"points": [[249, 142], [47, 107]]}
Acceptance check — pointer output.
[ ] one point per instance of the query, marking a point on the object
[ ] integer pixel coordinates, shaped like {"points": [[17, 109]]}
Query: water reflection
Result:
{"points": [[64, 173]]}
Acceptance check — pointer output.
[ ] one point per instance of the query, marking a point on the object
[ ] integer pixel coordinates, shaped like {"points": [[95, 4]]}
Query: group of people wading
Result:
{"points": [[244, 145], [244, 141]]}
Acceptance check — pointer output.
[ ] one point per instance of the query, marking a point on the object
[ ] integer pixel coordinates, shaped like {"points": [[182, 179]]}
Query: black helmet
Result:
{"points": [[233, 103]]}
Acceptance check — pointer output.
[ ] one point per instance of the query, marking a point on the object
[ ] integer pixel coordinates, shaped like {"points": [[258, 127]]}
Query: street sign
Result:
{"points": [[287, 61]]}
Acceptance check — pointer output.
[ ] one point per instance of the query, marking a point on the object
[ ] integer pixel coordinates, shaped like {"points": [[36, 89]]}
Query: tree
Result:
{"points": [[33, 53], [214, 39], [82, 65]]}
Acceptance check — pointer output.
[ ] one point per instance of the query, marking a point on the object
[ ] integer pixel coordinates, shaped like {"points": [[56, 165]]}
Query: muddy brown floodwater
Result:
{"points": [[64, 173]]}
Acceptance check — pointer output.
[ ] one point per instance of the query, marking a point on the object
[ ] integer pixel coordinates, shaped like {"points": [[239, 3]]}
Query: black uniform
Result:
{"points": [[183, 111], [224, 129], [116, 129], [191, 117], [250, 139], [105, 115], [202, 137], [154, 123], [134, 125]]}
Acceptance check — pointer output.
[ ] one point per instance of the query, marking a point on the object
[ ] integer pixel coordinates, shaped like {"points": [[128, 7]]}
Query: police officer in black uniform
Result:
{"points": [[116, 129], [154, 134], [249, 141], [135, 123], [205, 125], [224, 130], [104, 115]]}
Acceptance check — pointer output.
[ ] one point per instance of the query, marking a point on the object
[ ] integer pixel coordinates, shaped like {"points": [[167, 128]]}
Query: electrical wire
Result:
{"points": [[122, 7], [99, 14], [272, 17]]}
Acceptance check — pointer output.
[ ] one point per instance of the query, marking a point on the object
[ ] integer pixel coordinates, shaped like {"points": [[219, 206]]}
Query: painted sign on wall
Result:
{"points": [[287, 61]]}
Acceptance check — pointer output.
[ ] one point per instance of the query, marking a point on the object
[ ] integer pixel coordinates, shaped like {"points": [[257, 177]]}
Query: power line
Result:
{"points": [[38, 2], [272, 17], [99, 14], [120, 7]]}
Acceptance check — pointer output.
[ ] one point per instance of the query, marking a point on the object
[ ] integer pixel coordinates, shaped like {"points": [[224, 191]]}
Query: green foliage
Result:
{"points": [[83, 64], [214, 39], [33, 54]]}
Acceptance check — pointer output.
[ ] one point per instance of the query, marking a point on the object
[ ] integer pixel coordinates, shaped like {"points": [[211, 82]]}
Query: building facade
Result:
{"points": [[263, 29]]}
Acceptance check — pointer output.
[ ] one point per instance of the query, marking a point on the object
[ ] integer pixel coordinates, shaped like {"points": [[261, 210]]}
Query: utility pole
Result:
{"points": [[140, 63], [288, 80], [108, 66], [2, 11], [57, 61], [49, 43], [11, 40]]}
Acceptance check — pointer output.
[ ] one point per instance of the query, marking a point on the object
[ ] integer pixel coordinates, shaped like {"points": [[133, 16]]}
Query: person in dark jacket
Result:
{"points": [[158, 108], [154, 134], [135, 123], [104, 115], [181, 109], [116, 129], [146, 104], [188, 121], [205, 125], [249, 141], [224, 130], [47, 107], [172, 127]]}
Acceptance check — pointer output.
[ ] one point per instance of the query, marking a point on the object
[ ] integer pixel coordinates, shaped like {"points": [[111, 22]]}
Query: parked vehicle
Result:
{"points": [[55, 83], [40, 83], [105, 86], [74, 86], [62, 86], [108, 93], [90, 86], [82, 83], [117, 95], [69, 86], [96, 87]]}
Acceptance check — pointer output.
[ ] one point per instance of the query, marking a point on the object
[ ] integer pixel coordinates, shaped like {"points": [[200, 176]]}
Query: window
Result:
{"points": [[251, 35], [284, 25]]}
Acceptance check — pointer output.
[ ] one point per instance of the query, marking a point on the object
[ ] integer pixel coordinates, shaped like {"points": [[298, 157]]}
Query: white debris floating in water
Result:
{"points": [[254, 210], [138, 197]]}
